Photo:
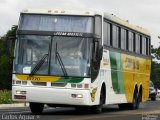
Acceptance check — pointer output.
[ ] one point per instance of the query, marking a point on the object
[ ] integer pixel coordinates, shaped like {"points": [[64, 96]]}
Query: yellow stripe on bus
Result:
{"points": [[136, 71], [38, 78]]}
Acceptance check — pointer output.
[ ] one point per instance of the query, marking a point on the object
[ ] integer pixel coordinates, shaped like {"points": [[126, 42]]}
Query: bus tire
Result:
{"points": [[136, 100], [36, 108], [131, 106], [123, 106], [98, 108], [153, 98]]}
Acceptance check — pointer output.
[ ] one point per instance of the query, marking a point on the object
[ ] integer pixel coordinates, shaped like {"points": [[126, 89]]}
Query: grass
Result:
{"points": [[5, 97]]}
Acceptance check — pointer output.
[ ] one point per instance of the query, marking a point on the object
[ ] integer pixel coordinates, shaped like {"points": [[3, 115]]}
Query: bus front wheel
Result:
{"points": [[98, 108], [36, 108]]}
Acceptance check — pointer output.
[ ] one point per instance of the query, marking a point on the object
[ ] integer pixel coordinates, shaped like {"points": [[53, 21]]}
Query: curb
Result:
{"points": [[14, 105]]}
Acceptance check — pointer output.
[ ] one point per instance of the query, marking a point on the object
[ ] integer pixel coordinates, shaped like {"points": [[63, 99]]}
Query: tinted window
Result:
{"points": [[98, 24], [134, 42], [127, 40], [106, 33], [143, 45], [149, 48], [140, 44], [119, 37], [123, 39], [130, 40], [137, 43], [56, 23], [115, 36]]}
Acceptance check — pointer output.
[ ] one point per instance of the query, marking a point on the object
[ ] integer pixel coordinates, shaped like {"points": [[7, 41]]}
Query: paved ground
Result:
{"points": [[149, 110]]}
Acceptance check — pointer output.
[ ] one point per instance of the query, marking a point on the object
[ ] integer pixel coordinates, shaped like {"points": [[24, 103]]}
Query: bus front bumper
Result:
{"points": [[51, 95]]}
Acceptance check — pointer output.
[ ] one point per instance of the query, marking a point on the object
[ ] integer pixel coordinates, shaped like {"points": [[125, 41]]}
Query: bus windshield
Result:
{"points": [[73, 52], [56, 23]]}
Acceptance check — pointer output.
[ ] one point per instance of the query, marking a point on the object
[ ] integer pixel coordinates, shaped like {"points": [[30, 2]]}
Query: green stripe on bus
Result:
{"points": [[117, 73], [120, 73]]}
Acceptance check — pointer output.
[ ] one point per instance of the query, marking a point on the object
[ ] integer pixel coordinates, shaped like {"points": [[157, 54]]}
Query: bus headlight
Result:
{"points": [[18, 92], [77, 95]]}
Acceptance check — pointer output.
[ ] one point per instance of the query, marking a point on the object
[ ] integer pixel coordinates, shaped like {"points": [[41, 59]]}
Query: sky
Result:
{"points": [[144, 13]]}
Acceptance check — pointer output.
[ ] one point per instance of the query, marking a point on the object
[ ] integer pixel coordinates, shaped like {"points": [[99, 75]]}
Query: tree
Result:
{"points": [[155, 67], [6, 60]]}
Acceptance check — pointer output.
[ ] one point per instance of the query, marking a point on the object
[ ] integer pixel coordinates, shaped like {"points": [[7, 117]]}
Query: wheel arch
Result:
{"points": [[135, 89], [140, 92], [103, 87]]}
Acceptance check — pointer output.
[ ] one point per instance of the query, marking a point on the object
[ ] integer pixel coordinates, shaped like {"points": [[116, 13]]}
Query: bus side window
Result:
{"points": [[134, 42], [127, 40], [115, 36], [123, 38], [130, 41], [98, 27], [106, 33], [140, 44], [137, 44], [148, 49], [143, 46], [119, 37]]}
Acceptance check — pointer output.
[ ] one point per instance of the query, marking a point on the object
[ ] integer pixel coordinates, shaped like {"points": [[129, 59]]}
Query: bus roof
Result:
{"points": [[126, 24], [109, 17]]}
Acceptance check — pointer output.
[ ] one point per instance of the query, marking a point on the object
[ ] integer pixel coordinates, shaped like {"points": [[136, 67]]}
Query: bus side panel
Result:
{"points": [[128, 72], [116, 73], [136, 71], [143, 76]]}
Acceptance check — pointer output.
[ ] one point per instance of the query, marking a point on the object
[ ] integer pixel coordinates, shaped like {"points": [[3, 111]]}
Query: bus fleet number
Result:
{"points": [[33, 78]]}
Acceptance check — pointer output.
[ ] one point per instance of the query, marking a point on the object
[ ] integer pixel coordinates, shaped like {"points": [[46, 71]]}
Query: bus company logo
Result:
{"points": [[68, 34], [93, 94], [132, 63]]}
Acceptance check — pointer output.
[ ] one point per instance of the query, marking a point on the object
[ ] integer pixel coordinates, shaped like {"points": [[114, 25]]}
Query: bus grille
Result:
{"points": [[39, 83], [58, 84]]}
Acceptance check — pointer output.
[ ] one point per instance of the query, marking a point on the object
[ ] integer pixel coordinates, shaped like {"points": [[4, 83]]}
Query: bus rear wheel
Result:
{"points": [[36, 108], [131, 106], [136, 100]]}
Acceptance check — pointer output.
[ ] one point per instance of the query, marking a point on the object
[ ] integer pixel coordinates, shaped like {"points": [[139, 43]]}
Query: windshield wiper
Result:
{"points": [[38, 65], [61, 63]]}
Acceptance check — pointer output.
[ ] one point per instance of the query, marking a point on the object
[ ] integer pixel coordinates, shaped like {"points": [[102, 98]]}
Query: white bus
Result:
{"points": [[83, 59]]}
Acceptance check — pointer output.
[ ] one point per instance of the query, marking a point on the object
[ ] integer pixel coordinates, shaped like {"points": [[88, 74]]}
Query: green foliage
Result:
{"points": [[5, 97], [5, 60], [155, 68], [5, 81]]}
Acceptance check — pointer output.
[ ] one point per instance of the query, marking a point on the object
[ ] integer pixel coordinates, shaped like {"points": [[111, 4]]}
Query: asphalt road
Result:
{"points": [[149, 110]]}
